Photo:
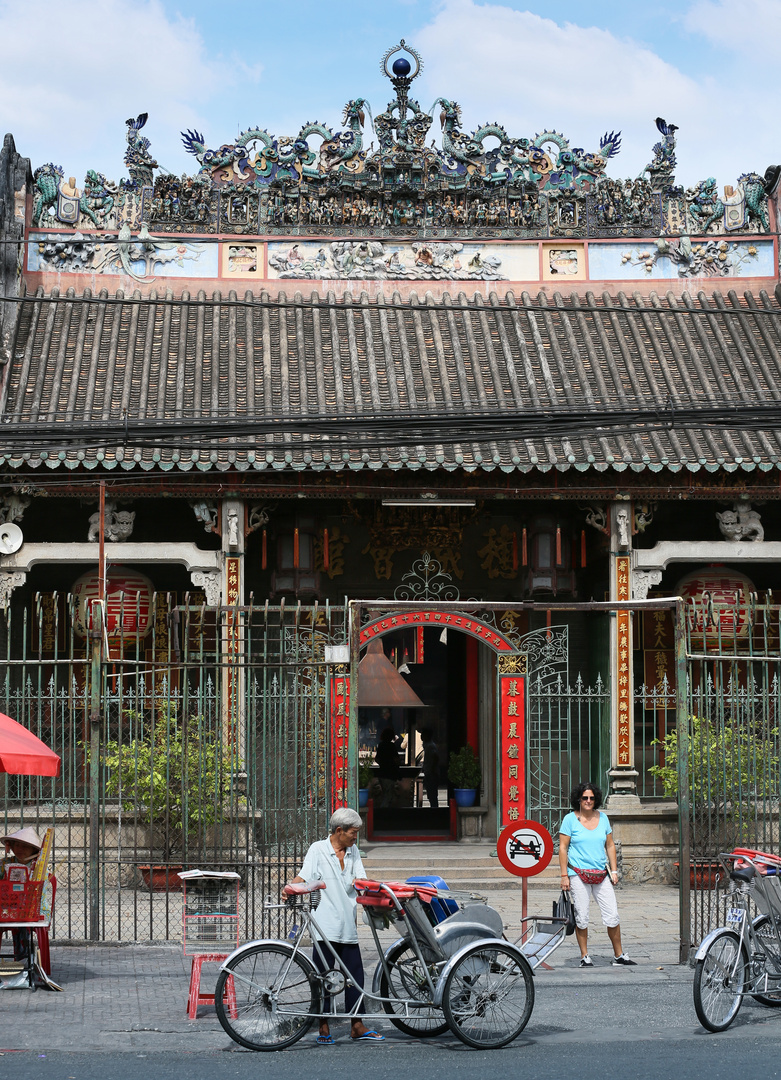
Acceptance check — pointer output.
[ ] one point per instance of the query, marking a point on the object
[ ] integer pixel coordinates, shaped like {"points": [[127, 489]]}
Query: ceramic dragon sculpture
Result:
{"points": [[345, 149], [257, 154]]}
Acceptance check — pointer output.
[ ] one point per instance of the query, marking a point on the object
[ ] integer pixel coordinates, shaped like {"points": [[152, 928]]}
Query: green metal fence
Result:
{"points": [[203, 746], [731, 745]]}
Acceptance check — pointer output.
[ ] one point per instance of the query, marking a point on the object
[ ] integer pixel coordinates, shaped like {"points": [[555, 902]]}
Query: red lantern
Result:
{"points": [[720, 598], [129, 611]]}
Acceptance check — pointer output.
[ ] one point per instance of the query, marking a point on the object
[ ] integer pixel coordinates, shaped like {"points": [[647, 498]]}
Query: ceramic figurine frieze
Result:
{"points": [[484, 183]]}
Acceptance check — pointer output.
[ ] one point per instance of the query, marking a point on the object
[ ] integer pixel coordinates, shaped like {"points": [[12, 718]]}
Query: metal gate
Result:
{"points": [[204, 745], [728, 773]]}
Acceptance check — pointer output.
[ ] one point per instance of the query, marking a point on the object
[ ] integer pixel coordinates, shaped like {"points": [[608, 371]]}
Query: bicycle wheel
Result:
{"points": [[408, 982], [488, 996], [720, 980], [267, 998], [763, 928]]}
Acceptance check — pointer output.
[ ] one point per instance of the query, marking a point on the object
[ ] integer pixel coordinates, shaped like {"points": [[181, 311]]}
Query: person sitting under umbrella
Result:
{"points": [[23, 848]]}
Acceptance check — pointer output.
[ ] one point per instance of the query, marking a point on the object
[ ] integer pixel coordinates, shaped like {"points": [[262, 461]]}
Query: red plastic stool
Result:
{"points": [[196, 998]]}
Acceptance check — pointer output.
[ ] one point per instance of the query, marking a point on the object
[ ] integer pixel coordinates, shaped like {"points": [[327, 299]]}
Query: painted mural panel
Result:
{"points": [[142, 258], [668, 258], [423, 261]]}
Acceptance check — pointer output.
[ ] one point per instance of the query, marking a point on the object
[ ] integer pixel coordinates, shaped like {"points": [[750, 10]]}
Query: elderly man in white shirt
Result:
{"points": [[337, 863]]}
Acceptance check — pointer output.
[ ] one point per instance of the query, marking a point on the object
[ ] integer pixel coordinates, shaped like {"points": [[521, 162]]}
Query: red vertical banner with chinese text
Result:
{"points": [[623, 645], [232, 642], [339, 741], [511, 802]]}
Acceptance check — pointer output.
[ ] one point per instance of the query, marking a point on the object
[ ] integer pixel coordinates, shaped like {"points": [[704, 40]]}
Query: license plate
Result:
{"points": [[734, 915]]}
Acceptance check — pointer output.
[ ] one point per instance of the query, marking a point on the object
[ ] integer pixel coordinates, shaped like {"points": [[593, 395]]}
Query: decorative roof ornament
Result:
{"points": [[406, 67], [487, 183]]}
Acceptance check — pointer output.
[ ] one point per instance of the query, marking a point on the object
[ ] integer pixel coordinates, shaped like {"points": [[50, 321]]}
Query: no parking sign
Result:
{"points": [[525, 848]]}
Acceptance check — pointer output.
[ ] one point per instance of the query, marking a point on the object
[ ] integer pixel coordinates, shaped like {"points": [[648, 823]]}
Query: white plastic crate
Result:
{"points": [[210, 920]]}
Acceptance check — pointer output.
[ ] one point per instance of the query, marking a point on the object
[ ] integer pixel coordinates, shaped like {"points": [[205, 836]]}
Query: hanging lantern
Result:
{"points": [[129, 610], [719, 597]]}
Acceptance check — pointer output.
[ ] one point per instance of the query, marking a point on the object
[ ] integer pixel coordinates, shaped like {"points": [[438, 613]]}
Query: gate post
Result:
{"points": [[684, 812], [233, 682], [96, 677], [623, 774]]}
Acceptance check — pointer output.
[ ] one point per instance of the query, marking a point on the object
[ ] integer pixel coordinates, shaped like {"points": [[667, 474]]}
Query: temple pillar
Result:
{"points": [[232, 631], [623, 775]]}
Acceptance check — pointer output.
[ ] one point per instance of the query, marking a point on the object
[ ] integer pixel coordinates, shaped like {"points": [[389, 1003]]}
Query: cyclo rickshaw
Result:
{"points": [[451, 968]]}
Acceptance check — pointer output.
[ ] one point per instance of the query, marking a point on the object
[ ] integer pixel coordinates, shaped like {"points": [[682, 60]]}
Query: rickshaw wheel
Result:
{"points": [[409, 982], [720, 980], [277, 997], [488, 996]]}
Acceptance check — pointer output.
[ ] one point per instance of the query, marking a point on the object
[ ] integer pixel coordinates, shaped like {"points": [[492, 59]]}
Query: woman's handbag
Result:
{"points": [[590, 877], [563, 908]]}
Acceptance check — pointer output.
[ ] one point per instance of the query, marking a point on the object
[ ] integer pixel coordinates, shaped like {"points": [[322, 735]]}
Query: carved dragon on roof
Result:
{"points": [[486, 179]]}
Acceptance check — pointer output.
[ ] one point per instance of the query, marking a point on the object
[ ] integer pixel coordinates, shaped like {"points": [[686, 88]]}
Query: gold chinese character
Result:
{"points": [[513, 814], [512, 772], [512, 750], [512, 731], [512, 793], [512, 708], [512, 688]]}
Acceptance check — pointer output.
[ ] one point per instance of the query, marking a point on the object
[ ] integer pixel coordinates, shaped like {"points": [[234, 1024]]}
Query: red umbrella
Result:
{"points": [[23, 753]]}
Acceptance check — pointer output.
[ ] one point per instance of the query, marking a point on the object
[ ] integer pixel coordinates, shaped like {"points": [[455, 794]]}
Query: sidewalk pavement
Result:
{"points": [[133, 997]]}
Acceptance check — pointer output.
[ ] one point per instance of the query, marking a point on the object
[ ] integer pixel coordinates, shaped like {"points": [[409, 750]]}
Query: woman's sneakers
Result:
{"points": [[623, 961], [586, 961]]}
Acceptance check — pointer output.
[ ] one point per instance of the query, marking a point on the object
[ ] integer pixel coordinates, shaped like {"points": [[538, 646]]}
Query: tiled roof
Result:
{"points": [[526, 383]]}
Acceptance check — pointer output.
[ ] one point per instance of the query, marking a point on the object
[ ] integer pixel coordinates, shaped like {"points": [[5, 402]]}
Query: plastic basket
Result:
{"points": [[20, 901], [211, 916]]}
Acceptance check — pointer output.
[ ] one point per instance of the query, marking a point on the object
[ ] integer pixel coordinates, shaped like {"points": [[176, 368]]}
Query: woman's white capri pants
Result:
{"points": [[604, 895]]}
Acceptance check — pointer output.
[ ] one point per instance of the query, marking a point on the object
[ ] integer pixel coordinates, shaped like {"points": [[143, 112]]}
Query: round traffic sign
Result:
{"points": [[525, 848]]}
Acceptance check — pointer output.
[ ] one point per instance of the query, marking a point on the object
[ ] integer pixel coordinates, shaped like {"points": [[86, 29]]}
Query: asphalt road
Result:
{"points": [[599, 1023], [716, 1057]]}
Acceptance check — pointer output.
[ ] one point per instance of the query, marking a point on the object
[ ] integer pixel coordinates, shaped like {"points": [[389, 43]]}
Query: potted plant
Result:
{"points": [[463, 772], [171, 778], [364, 779], [724, 759]]}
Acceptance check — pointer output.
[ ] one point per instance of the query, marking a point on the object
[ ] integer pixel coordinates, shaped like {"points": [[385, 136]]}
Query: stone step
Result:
{"points": [[463, 866]]}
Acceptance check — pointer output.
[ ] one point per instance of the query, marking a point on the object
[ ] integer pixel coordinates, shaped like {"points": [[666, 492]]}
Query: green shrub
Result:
{"points": [[463, 770]]}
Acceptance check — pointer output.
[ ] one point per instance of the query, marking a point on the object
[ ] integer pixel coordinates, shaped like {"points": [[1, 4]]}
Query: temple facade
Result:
{"points": [[476, 384]]}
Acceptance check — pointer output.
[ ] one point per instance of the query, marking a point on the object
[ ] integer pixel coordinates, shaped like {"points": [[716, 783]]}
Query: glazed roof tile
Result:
{"points": [[312, 383]]}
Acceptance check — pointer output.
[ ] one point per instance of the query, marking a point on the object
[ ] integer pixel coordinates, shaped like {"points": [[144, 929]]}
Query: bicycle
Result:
{"points": [[458, 974], [743, 958]]}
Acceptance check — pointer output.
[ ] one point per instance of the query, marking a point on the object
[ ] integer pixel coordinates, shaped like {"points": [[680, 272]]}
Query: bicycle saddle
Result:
{"points": [[301, 888], [743, 873]]}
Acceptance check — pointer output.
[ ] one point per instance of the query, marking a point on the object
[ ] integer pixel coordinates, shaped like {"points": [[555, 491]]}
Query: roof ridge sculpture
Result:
{"points": [[481, 183]]}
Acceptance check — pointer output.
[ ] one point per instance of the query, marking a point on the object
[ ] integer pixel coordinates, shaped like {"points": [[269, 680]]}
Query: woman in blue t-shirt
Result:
{"points": [[587, 857]]}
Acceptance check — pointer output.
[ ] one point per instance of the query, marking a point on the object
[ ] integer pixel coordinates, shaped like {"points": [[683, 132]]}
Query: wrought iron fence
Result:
{"points": [[732, 745], [209, 749], [568, 740]]}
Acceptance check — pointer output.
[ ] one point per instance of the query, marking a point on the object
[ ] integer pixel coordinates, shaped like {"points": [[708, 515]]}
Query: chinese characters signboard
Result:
{"points": [[233, 643], [340, 717], [512, 741], [454, 620], [623, 645]]}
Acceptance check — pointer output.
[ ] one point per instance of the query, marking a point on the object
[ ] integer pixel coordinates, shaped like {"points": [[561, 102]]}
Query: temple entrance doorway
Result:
{"points": [[408, 748]]}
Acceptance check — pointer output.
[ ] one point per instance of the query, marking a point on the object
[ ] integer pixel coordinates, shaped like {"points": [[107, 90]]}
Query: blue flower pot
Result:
{"points": [[363, 796], [465, 796]]}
